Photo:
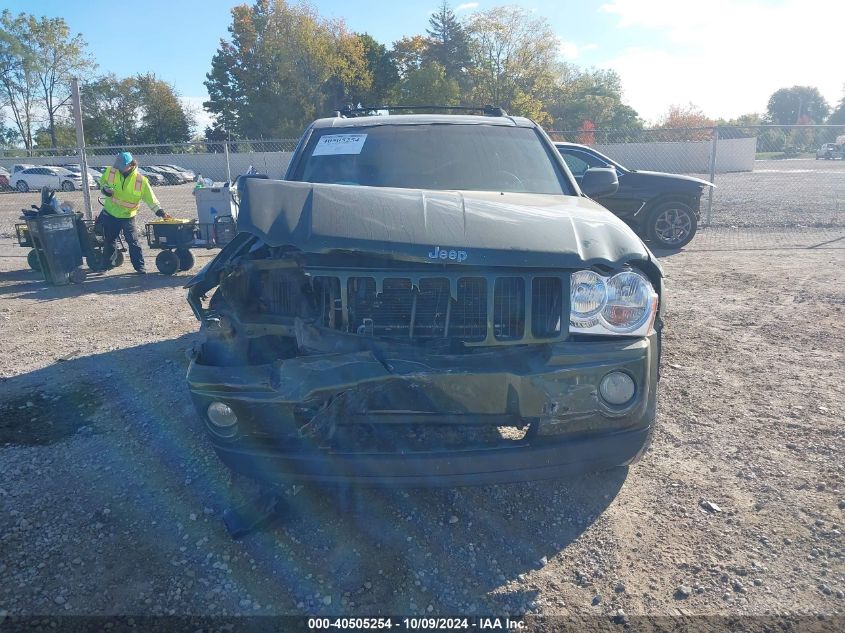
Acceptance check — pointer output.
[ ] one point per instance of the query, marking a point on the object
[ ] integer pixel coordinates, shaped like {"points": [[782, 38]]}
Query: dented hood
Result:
{"points": [[454, 227]]}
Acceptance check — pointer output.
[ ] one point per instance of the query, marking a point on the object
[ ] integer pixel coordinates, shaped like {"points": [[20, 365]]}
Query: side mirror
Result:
{"points": [[599, 181]]}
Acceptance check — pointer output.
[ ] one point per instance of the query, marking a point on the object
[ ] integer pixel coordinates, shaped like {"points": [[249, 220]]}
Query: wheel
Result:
{"points": [[33, 261], [186, 258], [118, 258], [67, 185], [672, 225], [94, 261], [167, 262], [77, 275], [22, 186]]}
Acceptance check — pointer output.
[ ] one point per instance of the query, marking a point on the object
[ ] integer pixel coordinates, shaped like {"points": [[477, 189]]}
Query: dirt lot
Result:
{"points": [[110, 496]]}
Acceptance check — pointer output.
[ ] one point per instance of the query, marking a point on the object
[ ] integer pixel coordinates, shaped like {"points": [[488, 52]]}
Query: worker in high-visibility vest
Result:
{"points": [[125, 189]]}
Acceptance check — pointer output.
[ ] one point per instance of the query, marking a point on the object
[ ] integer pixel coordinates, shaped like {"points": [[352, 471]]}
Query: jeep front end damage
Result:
{"points": [[410, 374]]}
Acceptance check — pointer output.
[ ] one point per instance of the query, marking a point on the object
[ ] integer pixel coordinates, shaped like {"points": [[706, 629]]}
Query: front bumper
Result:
{"points": [[553, 389]]}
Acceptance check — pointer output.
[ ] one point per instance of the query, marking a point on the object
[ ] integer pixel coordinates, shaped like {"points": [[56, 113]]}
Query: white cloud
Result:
{"points": [[203, 118], [571, 51], [466, 6], [726, 56]]}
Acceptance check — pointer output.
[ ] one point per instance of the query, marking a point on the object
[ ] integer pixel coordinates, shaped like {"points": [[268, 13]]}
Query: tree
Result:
{"points": [[18, 74], [837, 117], [514, 61], [383, 70], [430, 85], [62, 134], [687, 120], [593, 96], [164, 118], [448, 44], [58, 58], [39, 57], [797, 105], [283, 66], [110, 110], [409, 53]]}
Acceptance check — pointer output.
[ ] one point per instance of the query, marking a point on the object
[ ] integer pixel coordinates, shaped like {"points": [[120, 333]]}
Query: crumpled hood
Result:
{"points": [[466, 228]]}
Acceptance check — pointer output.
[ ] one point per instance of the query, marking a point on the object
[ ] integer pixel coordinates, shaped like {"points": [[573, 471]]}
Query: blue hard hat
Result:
{"points": [[123, 159]]}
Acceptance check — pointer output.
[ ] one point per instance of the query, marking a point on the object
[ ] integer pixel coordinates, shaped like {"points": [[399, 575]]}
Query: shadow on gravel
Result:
{"points": [[147, 488], [125, 281]]}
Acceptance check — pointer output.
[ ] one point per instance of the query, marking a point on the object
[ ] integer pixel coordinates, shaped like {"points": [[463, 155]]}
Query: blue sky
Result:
{"points": [[726, 56]]}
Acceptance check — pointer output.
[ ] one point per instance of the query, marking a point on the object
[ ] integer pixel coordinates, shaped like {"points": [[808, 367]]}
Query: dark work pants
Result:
{"points": [[112, 228]]}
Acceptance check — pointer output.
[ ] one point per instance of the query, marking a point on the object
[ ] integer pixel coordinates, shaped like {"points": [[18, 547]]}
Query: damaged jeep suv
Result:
{"points": [[427, 300]]}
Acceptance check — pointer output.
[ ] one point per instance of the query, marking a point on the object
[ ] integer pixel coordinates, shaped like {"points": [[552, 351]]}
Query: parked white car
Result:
{"points": [[50, 177]]}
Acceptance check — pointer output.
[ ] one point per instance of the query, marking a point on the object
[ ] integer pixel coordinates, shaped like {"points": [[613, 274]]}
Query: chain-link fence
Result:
{"points": [[764, 175]]}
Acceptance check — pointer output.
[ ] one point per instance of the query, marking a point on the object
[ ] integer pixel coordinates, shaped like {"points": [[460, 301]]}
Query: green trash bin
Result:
{"points": [[56, 242]]}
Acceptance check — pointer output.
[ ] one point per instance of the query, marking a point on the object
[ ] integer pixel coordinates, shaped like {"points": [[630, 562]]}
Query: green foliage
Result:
{"points": [[514, 58], [382, 69], [62, 135], [110, 109], [164, 118], [448, 44], [592, 95], [797, 105], [429, 85], [38, 59], [283, 66]]}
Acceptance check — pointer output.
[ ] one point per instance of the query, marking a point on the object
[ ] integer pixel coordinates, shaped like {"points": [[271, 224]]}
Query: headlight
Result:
{"points": [[624, 304]]}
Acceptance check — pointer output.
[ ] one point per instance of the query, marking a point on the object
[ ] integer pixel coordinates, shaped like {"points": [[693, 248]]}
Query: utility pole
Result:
{"points": [[80, 143]]}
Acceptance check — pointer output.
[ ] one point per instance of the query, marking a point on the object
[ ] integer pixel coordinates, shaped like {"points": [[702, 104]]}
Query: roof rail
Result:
{"points": [[349, 111]]}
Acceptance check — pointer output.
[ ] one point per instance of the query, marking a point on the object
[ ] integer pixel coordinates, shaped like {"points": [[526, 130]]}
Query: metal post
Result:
{"points": [[80, 142], [228, 169], [713, 147]]}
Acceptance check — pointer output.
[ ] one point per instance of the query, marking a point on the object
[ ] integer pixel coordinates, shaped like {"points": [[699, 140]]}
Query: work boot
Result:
{"points": [[140, 271]]}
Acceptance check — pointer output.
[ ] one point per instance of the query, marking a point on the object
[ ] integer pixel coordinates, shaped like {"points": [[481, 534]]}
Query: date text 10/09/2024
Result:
{"points": [[417, 624]]}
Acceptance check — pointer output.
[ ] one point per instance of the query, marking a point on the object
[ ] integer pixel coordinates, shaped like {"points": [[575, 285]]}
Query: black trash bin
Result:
{"points": [[56, 241]]}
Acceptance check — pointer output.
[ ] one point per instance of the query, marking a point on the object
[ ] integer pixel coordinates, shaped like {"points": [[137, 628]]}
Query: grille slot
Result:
{"points": [[546, 307], [469, 313], [509, 308]]}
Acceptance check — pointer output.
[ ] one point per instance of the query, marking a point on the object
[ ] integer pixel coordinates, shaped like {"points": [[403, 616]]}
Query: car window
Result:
{"points": [[578, 161], [439, 156]]}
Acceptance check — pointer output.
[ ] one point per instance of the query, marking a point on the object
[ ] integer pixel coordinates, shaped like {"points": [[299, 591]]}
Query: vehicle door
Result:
{"points": [[579, 161]]}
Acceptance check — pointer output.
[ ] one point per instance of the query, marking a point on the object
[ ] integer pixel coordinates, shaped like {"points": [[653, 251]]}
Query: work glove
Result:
{"points": [[108, 191], [164, 215]]}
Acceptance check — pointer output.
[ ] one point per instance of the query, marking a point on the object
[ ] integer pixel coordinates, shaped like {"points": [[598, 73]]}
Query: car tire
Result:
{"points": [[167, 262], [21, 186], [671, 225], [67, 185]]}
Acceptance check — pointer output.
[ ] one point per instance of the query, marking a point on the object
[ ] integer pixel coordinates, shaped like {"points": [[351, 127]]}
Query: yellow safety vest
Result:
{"points": [[128, 193]]}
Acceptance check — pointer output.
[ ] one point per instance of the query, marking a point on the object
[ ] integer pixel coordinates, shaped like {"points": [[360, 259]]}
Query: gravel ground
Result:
{"points": [[110, 497]]}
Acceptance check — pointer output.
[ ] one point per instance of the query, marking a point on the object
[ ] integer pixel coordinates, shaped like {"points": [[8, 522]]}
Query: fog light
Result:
{"points": [[617, 388], [221, 416]]}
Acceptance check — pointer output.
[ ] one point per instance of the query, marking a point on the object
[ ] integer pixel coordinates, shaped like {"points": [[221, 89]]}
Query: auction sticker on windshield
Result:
{"points": [[334, 144]]}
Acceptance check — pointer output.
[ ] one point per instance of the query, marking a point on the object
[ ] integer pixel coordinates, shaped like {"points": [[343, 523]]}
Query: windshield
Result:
{"points": [[438, 156]]}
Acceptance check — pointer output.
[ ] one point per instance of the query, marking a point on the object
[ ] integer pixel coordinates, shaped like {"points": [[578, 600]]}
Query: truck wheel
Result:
{"points": [[167, 262], [33, 261], [672, 225], [186, 258]]}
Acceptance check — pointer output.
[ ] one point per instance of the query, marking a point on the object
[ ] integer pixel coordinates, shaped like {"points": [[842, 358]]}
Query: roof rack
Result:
{"points": [[349, 111]]}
